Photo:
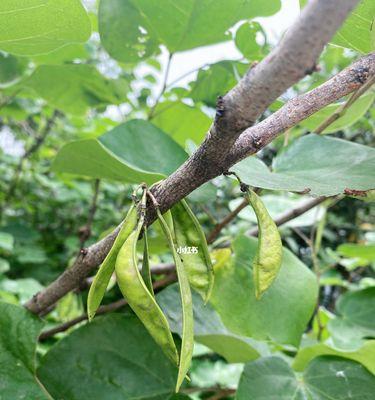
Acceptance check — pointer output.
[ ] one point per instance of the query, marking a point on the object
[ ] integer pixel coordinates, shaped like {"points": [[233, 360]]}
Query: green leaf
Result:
{"points": [[246, 40], [11, 68], [75, 88], [355, 320], [213, 82], [181, 122], [125, 154], [352, 115], [6, 241], [268, 378], [24, 288], [208, 328], [18, 338], [179, 26], [40, 26], [114, 358], [323, 166], [353, 250], [326, 377], [358, 307], [357, 32], [68, 53], [284, 310], [277, 205], [365, 355], [4, 265]]}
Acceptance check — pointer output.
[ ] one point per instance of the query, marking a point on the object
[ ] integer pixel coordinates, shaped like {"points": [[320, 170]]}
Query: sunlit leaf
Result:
{"points": [[283, 311], [112, 357], [181, 122], [326, 377], [133, 29], [40, 26], [123, 154], [321, 166], [19, 333]]}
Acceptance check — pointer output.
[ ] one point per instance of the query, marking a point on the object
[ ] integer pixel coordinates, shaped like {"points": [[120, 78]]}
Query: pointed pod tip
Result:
{"points": [[258, 295], [180, 381]]}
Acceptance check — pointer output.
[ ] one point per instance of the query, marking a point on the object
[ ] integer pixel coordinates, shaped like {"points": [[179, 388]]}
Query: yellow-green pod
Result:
{"points": [[187, 345], [103, 276], [267, 261], [193, 249], [146, 271], [139, 297]]}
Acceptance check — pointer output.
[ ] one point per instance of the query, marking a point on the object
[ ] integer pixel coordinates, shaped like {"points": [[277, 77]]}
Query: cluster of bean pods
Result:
{"points": [[180, 228]]}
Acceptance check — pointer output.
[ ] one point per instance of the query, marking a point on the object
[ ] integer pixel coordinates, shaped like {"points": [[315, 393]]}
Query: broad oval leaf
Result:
{"points": [[321, 166], [352, 115], [357, 32], [181, 122], [214, 81], [209, 328], [75, 88], [284, 310], [114, 358], [356, 250], [364, 355], [125, 154], [11, 69], [326, 377], [133, 29], [40, 26], [19, 333], [355, 320], [246, 40]]}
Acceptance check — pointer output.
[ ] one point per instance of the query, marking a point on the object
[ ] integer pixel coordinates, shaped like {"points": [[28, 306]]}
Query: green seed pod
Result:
{"points": [[146, 271], [267, 261], [138, 295], [194, 251], [187, 345], [103, 276]]}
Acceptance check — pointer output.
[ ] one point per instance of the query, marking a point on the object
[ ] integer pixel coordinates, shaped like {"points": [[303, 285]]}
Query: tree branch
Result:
{"points": [[320, 19], [292, 59], [343, 108], [103, 309], [301, 107]]}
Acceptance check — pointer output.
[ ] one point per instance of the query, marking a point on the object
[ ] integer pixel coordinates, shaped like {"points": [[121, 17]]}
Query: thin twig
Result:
{"points": [[161, 283], [39, 140], [229, 218], [85, 231], [9, 99], [292, 213], [219, 391], [340, 111], [222, 393], [164, 85]]}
